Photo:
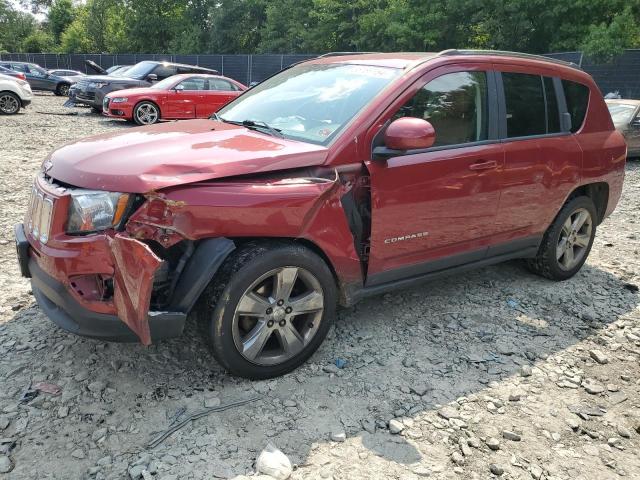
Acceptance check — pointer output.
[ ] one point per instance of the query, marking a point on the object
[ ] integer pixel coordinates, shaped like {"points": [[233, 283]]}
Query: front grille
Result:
{"points": [[39, 215], [91, 96]]}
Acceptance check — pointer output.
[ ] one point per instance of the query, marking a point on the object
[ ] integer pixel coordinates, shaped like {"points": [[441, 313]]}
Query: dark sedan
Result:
{"points": [[40, 79], [90, 90]]}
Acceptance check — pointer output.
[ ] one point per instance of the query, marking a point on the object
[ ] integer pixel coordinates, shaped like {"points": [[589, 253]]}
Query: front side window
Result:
{"points": [[163, 71], [37, 71], [20, 67], [577, 96], [311, 102], [193, 84], [455, 104], [141, 69]]}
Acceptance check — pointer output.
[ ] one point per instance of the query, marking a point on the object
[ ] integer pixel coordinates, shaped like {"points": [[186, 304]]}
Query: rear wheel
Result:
{"points": [[62, 90], [567, 242], [9, 103], [146, 113], [268, 309]]}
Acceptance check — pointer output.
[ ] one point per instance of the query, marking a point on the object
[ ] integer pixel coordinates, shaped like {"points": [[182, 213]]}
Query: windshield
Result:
{"points": [[141, 70], [620, 112], [311, 102], [119, 72]]}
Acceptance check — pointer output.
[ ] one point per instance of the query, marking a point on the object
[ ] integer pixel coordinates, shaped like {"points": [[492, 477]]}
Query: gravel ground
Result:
{"points": [[493, 373]]}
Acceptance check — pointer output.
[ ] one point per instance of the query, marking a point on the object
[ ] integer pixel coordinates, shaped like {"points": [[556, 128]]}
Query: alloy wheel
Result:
{"points": [[574, 239], [278, 316], [9, 104], [147, 114], [63, 90]]}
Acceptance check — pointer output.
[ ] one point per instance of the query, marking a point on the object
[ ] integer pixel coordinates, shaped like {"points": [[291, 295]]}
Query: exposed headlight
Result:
{"points": [[24, 84], [93, 211], [119, 99], [97, 84]]}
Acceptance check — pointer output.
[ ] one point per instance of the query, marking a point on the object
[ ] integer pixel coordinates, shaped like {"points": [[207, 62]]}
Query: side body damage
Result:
{"points": [[176, 240]]}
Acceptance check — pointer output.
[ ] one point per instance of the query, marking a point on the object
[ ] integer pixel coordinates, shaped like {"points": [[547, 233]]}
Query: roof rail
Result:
{"points": [[503, 53], [337, 54]]}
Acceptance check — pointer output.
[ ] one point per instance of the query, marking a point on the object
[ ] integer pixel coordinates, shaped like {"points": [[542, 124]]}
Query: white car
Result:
{"points": [[14, 94]]}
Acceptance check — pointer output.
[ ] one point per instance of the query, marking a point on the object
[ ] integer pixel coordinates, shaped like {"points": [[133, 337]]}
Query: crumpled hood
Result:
{"points": [[149, 158]]}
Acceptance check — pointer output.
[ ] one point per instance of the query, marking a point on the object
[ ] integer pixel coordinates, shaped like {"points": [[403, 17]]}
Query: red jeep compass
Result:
{"points": [[337, 178]]}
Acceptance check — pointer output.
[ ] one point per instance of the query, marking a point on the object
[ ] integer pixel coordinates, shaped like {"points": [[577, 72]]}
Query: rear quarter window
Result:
{"points": [[577, 97]]}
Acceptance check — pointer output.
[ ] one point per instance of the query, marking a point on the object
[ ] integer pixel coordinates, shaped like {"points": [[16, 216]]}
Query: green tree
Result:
{"points": [[236, 26], [15, 26], [605, 41], [60, 16], [76, 39], [38, 42]]}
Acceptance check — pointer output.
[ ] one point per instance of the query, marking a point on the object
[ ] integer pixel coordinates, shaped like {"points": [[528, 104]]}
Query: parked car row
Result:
{"points": [[41, 79]]}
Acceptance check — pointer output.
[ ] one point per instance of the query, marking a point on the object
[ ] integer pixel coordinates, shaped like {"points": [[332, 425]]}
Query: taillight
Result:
{"points": [[22, 76]]}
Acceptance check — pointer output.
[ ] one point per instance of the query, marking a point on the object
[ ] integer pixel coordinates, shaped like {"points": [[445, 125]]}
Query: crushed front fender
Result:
{"points": [[135, 265]]}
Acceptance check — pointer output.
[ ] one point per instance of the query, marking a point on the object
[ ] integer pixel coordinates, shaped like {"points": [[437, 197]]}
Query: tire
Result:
{"points": [[62, 90], [9, 103], [247, 275], [563, 251], [146, 113]]}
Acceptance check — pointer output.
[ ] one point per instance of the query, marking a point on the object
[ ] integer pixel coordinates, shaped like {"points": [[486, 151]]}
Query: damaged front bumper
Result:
{"points": [[60, 305]]}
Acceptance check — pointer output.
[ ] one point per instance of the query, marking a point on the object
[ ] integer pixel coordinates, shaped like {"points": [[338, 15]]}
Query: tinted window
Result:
{"points": [[525, 102], [164, 71], [577, 96], [553, 114], [194, 84], [20, 67], [455, 104]]}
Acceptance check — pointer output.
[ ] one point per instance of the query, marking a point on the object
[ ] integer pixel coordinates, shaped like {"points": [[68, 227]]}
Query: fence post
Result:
{"points": [[249, 58]]}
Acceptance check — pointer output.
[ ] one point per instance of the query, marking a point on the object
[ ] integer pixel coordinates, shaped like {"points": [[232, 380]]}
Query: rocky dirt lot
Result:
{"points": [[495, 373]]}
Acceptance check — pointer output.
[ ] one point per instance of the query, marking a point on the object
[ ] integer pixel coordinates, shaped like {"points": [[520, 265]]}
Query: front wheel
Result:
{"points": [[567, 242], [62, 90], [268, 309], [146, 113], [9, 103]]}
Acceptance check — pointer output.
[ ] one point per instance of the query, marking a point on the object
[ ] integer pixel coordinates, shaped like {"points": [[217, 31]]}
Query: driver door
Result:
{"points": [[436, 208]]}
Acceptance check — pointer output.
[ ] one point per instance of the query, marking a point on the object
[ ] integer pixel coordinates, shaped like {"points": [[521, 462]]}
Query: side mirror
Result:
{"points": [[152, 77], [408, 133], [635, 122], [178, 88]]}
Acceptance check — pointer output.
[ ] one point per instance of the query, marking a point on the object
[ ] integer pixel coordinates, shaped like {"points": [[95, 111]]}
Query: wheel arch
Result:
{"points": [[146, 100], [211, 253], [598, 192]]}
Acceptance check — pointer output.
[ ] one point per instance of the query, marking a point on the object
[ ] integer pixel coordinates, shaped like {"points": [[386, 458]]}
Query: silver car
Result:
{"points": [[626, 118]]}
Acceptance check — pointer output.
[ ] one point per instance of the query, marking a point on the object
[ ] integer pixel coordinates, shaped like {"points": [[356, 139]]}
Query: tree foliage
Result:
{"points": [[602, 28]]}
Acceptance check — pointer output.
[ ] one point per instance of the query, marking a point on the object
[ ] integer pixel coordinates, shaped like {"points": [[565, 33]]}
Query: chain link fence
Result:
{"points": [[620, 75], [243, 68]]}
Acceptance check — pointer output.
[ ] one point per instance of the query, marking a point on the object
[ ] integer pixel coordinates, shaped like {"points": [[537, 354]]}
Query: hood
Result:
{"points": [[95, 67], [167, 154]]}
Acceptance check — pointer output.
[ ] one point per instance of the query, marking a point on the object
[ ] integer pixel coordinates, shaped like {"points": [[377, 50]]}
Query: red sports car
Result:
{"points": [[179, 96]]}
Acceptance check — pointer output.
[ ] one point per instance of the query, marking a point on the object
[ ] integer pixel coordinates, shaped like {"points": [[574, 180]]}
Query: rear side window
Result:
{"points": [[455, 104], [577, 96], [219, 84], [525, 102]]}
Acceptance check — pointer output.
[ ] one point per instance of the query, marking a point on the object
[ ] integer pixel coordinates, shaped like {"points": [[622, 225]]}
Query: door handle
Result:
{"points": [[483, 165]]}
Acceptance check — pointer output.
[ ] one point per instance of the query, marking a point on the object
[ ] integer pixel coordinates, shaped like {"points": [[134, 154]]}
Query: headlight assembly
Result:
{"points": [[94, 211], [119, 99], [97, 84]]}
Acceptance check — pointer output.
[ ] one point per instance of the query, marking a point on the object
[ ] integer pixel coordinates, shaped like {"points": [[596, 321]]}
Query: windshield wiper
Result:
{"points": [[250, 124]]}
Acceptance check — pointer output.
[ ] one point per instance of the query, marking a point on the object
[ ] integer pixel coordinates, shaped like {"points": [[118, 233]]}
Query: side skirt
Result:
{"points": [[407, 282]]}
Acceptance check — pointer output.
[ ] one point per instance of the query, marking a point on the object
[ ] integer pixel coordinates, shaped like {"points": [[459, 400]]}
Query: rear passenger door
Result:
{"points": [[542, 159], [219, 93]]}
